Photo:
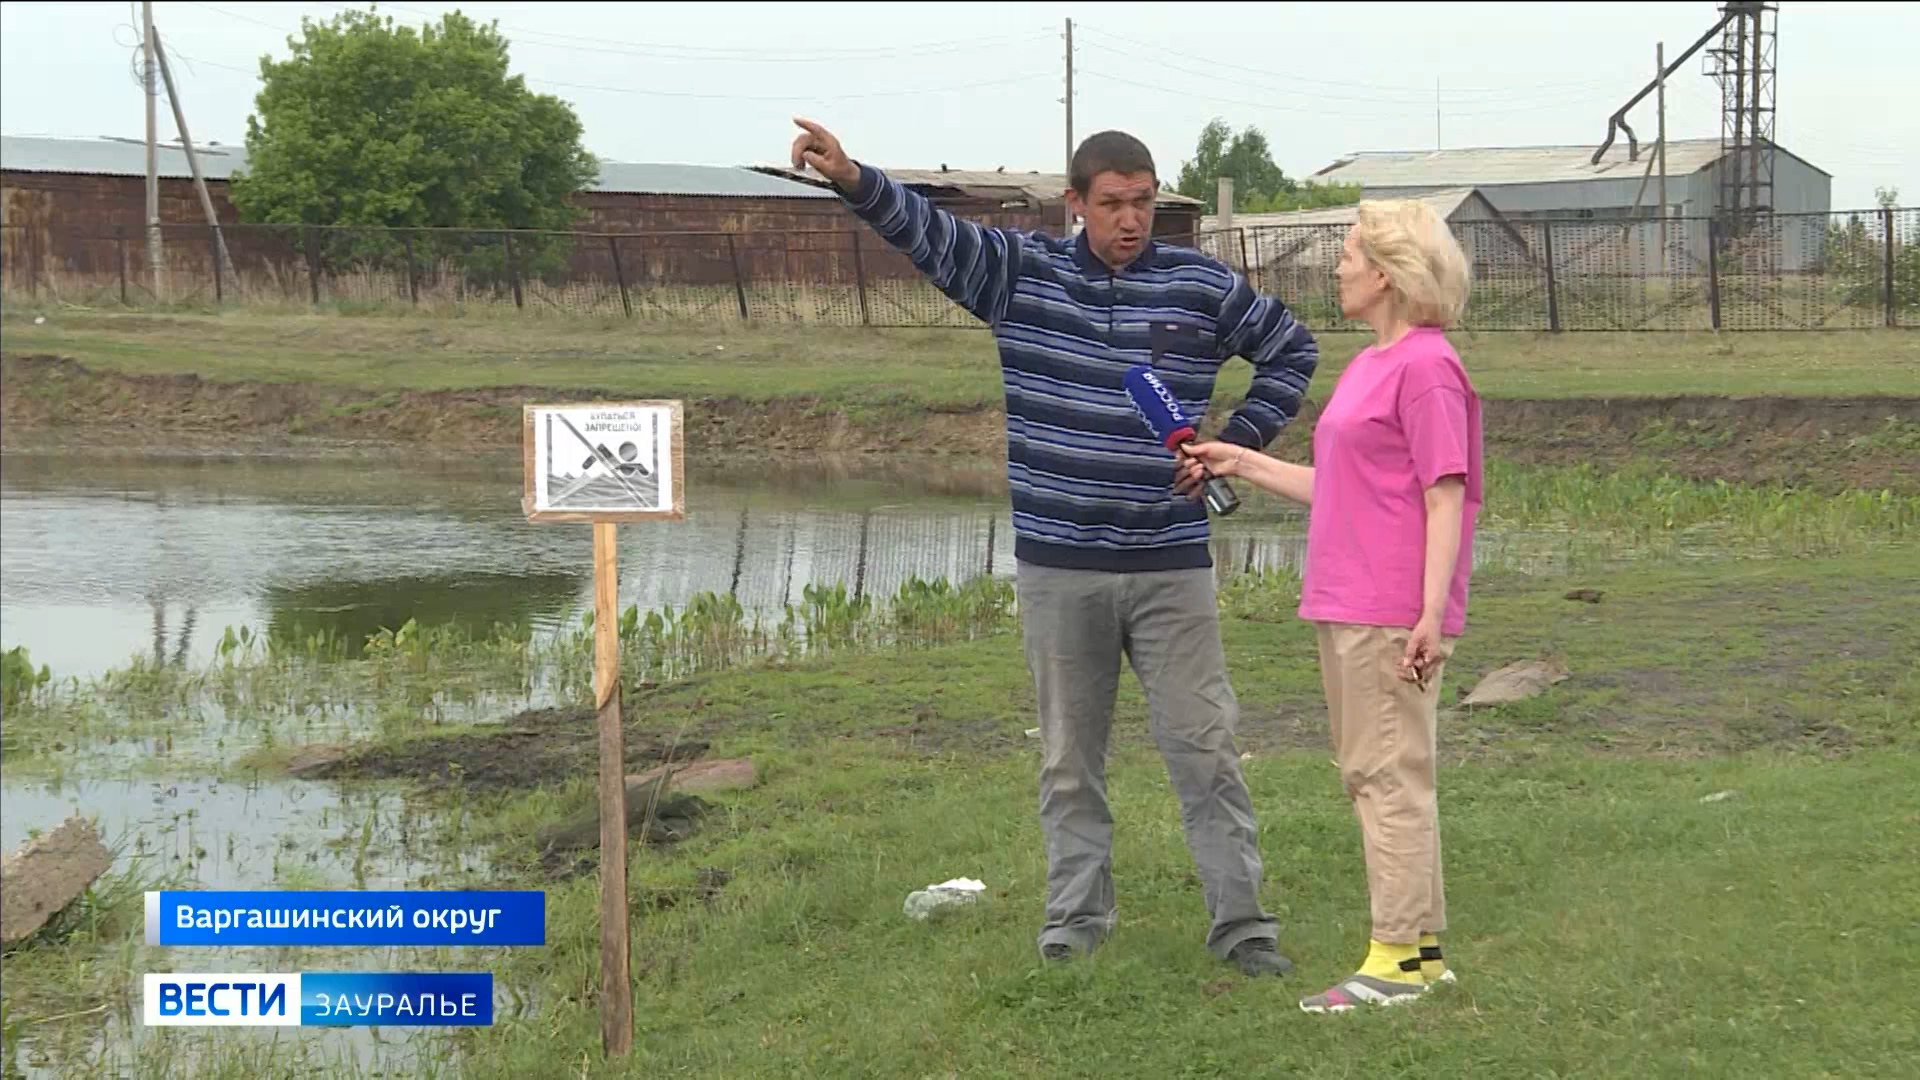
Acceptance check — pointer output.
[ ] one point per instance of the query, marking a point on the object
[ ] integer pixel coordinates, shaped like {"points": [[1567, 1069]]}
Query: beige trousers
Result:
{"points": [[1384, 732]]}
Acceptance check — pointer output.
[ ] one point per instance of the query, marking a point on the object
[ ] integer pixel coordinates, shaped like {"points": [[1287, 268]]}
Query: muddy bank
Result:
{"points": [[543, 746], [1824, 443], [38, 391]]}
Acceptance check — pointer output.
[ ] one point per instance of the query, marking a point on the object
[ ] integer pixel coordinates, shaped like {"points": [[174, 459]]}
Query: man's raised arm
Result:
{"points": [[1283, 354], [973, 265]]}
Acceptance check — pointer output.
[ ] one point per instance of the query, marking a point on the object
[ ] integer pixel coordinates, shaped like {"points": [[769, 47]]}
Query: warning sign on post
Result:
{"points": [[605, 461]]}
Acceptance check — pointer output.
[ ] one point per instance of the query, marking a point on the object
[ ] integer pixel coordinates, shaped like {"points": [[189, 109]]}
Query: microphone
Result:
{"points": [[1161, 412]]}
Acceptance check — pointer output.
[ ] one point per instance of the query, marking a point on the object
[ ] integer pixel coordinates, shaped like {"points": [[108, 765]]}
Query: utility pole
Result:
{"points": [[1067, 210], [1660, 84], [153, 152], [193, 160], [1436, 113]]}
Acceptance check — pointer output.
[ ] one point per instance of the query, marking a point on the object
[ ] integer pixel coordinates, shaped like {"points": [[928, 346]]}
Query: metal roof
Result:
{"points": [[113, 157], [1494, 166], [980, 183], [128, 157], [722, 181], [1465, 204]]}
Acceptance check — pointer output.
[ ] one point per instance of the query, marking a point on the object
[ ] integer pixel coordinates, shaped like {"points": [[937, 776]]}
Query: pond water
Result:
{"points": [[106, 556]]}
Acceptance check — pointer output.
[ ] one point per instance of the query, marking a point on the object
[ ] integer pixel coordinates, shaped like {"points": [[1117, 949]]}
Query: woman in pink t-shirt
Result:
{"points": [[1393, 490]]}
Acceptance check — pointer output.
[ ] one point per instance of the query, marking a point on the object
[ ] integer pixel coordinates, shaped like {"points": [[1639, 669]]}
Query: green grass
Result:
{"points": [[1607, 920], [941, 369]]}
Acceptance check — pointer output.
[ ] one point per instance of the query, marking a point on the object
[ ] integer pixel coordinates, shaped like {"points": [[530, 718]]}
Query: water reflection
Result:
{"points": [[104, 557], [350, 610]]}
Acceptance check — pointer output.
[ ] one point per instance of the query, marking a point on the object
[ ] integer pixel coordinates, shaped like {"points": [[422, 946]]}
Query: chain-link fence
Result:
{"points": [[1780, 272]]}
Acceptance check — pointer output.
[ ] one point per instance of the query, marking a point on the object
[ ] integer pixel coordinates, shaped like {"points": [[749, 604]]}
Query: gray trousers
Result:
{"points": [[1077, 624]]}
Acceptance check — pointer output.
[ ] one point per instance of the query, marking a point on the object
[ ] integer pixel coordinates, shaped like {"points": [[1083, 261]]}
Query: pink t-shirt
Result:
{"points": [[1400, 419]]}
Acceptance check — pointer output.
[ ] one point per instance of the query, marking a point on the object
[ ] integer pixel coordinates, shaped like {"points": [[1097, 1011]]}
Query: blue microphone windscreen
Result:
{"points": [[1155, 403]]}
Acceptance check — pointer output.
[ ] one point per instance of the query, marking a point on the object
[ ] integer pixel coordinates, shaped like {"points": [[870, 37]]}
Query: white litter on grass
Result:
{"points": [[922, 903], [1718, 796]]}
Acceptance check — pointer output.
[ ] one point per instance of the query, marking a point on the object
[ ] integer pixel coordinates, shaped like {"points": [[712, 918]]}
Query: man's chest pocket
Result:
{"points": [[1179, 340]]}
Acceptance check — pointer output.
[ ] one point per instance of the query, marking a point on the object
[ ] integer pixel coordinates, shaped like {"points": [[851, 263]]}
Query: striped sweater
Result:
{"points": [[1091, 488]]}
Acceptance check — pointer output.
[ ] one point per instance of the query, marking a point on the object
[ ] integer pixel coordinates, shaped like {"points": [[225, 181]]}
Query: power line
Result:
{"points": [[671, 50], [696, 95], [1308, 109], [1319, 96], [1405, 95], [797, 97]]}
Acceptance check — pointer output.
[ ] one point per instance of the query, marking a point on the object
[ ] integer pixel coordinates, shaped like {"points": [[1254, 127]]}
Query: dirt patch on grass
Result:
{"points": [[535, 748]]}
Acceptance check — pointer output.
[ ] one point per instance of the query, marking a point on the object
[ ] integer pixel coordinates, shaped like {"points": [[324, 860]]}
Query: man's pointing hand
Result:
{"points": [[815, 146]]}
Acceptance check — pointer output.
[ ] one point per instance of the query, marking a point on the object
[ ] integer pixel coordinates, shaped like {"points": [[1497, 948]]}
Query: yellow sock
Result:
{"points": [[1431, 964], [1386, 961]]}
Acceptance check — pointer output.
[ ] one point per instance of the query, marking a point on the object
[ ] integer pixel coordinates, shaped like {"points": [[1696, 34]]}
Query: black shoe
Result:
{"points": [[1056, 952], [1259, 956]]}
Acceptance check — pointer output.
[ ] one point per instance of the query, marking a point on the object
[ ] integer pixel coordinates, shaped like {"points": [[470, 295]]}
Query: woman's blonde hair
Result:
{"points": [[1425, 267]]}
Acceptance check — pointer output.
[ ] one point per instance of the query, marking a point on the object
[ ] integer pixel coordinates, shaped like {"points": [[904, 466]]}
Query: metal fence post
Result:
{"points": [[1713, 271], [1553, 289], [620, 275], [860, 280], [313, 264], [1245, 266], [219, 278], [413, 282], [513, 273], [120, 243], [739, 281], [1886, 252]]}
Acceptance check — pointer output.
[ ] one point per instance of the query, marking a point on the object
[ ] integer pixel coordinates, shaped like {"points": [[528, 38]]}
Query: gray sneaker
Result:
{"points": [[1259, 956]]}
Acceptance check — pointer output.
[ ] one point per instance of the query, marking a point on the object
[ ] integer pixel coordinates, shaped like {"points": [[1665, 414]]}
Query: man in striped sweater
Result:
{"points": [[1111, 561]]}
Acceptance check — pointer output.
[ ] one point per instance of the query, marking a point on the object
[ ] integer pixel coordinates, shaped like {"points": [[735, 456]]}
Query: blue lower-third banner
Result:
{"points": [[320, 999], [346, 917]]}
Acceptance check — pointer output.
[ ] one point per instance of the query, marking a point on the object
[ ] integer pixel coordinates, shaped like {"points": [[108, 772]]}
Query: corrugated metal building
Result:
{"points": [[1024, 200], [100, 184], [1295, 251], [1563, 182], [1314, 237]]}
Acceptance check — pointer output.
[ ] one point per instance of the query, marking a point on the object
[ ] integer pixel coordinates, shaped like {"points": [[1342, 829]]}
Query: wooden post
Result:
{"points": [[620, 275], [120, 242], [1553, 292], [513, 274], [1886, 255], [616, 989], [413, 281], [553, 490], [313, 264], [1713, 271], [860, 280], [215, 249], [739, 280]]}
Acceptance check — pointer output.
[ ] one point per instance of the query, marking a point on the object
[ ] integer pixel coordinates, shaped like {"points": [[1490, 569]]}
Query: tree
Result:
{"points": [[1307, 196], [368, 123], [1246, 157]]}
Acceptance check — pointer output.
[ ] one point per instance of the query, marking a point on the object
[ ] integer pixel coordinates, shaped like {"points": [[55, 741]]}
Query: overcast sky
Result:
{"points": [[979, 85]]}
